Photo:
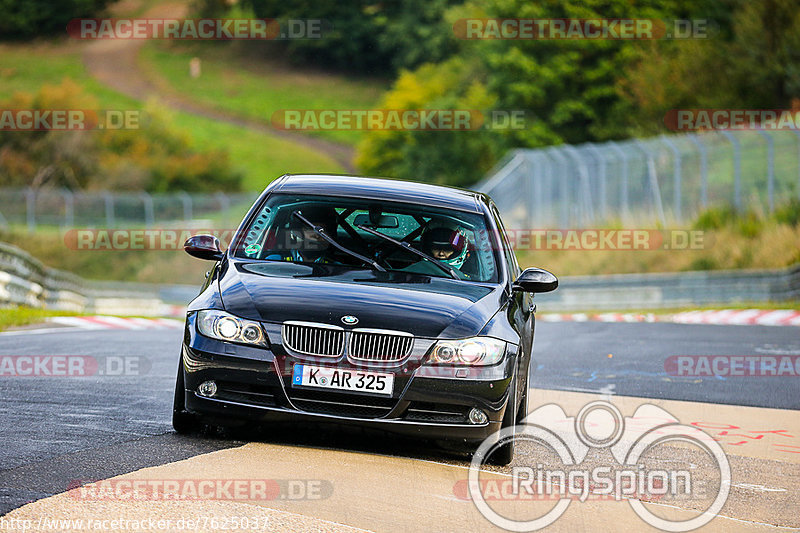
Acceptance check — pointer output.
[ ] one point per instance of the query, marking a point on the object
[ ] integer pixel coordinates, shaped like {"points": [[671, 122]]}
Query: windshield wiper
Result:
{"points": [[404, 245], [319, 230]]}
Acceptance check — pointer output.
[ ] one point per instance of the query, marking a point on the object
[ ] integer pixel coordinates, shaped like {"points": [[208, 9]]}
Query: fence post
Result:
{"points": [[30, 206], [547, 176], [69, 208], [109, 204], [623, 187], [737, 168], [187, 205], [703, 151], [147, 202], [587, 210], [224, 202], [652, 174], [555, 155], [770, 169], [676, 176], [534, 188], [603, 179]]}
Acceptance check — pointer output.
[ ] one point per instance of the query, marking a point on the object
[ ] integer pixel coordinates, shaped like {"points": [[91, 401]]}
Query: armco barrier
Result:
{"points": [[673, 290], [24, 280]]}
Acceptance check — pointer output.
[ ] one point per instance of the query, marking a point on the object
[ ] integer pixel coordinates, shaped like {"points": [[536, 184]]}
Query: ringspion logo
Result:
{"points": [[628, 477]]}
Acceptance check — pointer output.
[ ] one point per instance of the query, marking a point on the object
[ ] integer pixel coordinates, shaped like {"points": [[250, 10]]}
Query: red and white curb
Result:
{"points": [[100, 322], [115, 322], [725, 317]]}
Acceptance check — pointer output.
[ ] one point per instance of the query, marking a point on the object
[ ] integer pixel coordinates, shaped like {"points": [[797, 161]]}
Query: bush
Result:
{"points": [[788, 213], [746, 223], [715, 218], [156, 158]]}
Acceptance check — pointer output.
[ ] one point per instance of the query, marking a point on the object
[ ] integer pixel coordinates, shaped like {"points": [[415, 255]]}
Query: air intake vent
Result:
{"points": [[379, 345], [313, 339]]}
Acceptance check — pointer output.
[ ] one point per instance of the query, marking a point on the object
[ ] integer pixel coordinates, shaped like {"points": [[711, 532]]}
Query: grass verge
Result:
{"points": [[772, 245], [143, 266], [255, 87], [259, 156], [22, 316]]}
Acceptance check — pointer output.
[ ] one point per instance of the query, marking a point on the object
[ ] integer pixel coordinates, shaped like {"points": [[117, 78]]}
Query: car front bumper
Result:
{"points": [[254, 385]]}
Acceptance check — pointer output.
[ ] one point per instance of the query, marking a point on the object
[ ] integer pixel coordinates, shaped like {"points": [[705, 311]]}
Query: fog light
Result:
{"points": [[209, 389], [476, 416]]}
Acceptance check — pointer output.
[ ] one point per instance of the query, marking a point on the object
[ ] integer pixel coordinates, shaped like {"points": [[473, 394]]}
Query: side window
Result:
{"points": [[511, 258]]}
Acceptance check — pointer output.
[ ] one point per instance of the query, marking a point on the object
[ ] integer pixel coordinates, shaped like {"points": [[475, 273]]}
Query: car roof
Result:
{"points": [[380, 189]]}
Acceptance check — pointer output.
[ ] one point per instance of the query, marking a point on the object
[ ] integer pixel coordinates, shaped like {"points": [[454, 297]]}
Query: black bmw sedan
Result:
{"points": [[366, 301]]}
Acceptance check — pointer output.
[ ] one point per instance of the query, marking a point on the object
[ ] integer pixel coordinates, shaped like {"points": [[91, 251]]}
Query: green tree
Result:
{"points": [[366, 36], [31, 18]]}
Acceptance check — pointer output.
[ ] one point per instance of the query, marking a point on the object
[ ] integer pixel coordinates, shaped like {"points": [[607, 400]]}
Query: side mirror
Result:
{"points": [[535, 280], [203, 247]]}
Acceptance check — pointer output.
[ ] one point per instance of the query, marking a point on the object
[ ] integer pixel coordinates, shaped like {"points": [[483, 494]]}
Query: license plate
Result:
{"points": [[342, 379]]}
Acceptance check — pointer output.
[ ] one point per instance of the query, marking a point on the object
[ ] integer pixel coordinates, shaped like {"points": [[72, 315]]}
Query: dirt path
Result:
{"points": [[115, 63]]}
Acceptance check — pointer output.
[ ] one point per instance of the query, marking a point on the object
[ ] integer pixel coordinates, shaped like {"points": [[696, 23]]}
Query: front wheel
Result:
{"points": [[504, 454], [183, 422], [522, 412]]}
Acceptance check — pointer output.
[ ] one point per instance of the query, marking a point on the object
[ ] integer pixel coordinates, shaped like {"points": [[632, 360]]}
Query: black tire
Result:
{"points": [[183, 422], [522, 412], [504, 454]]}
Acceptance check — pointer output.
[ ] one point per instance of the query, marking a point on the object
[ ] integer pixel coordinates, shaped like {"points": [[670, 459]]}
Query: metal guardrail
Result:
{"points": [[665, 179], [673, 290], [24, 280]]}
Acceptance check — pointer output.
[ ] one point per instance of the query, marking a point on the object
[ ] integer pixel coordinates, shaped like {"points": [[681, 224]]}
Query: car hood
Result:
{"points": [[422, 305]]}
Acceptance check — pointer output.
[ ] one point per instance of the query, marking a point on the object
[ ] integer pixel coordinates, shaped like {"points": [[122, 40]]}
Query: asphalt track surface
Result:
{"points": [[57, 431]]}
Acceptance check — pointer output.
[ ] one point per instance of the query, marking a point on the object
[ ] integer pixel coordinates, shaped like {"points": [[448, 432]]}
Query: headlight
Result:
{"points": [[476, 351], [226, 327]]}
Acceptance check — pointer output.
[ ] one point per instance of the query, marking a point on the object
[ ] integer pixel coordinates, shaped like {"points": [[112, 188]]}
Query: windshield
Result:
{"points": [[352, 232]]}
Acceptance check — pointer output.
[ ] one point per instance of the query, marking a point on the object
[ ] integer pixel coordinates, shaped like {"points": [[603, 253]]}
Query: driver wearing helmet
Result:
{"points": [[450, 246]]}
